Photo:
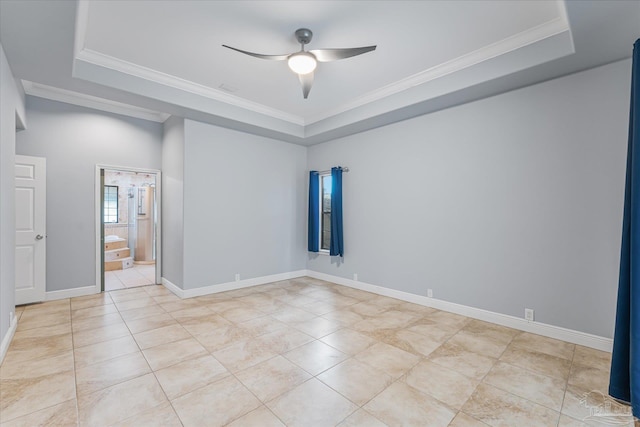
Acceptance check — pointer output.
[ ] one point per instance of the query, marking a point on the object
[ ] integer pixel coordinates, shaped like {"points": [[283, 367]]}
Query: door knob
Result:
{"points": [[39, 237]]}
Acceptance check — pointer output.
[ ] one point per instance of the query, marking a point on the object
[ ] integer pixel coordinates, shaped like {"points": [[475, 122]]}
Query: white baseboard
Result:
{"points": [[230, 286], [70, 293], [4, 346], [557, 332]]}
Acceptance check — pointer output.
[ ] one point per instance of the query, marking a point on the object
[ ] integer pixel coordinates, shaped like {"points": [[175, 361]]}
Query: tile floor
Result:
{"points": [[138, 275], [300, 352]]}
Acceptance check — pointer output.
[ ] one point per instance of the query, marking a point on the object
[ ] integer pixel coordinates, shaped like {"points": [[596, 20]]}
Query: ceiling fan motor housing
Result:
{"points": [[304, 35]]}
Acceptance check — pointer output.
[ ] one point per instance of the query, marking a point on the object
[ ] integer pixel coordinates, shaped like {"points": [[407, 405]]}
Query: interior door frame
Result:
{"points": [[100, 220]]}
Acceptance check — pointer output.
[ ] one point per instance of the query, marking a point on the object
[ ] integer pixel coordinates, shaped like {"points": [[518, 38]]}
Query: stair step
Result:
{"points": [[118, 244], [116, 254], [118, 264]]}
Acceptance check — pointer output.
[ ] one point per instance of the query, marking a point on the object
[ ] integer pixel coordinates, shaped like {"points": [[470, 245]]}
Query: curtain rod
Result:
{"points": [[344, 169]]}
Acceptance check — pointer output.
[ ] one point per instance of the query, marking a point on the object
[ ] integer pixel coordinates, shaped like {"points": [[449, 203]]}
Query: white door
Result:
{"points": [[30, 229]]}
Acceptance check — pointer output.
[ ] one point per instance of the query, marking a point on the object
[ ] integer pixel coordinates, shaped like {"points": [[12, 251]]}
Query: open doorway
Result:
{"points": [[129, 227]]}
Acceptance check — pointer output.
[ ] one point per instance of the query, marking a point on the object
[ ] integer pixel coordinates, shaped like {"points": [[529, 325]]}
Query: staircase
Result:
{"points": [[117, 255]]}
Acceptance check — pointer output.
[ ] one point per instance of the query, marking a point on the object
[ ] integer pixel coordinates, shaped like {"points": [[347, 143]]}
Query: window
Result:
{"points": [[325, 211], [110, 203]]}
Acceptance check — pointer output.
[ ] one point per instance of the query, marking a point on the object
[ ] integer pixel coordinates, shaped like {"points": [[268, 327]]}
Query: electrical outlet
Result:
{"points": [[355, 276], [237, 277], [430, 293], [528, 314]]}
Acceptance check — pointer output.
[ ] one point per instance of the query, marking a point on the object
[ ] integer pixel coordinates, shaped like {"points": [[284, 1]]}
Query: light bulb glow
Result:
{"points": [[302, 62]]}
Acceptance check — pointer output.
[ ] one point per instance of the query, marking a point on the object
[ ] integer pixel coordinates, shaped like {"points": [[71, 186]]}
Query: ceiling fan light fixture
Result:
{"points": [[302, 62]]}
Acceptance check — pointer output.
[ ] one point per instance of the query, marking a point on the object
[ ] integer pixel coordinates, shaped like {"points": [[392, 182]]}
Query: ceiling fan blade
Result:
{"points": [[326, 55], [306, 80], [259, 55]]}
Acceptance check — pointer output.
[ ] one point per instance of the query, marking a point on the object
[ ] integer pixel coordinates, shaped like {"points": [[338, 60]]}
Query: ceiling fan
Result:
{"points": [[303, 63]]}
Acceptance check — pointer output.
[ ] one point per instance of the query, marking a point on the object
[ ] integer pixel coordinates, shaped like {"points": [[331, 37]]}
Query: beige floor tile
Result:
{"points": [[361, 418], [241, 314], [470, 364], [245, 353], [286, 339], [159, 416], [541, 363], [311, 404], [389, 359], [96, 322], [99, 310], [16, 369], [356, 380], [317, 327], [91, 301], [49, 306], [464, 420], [566, 421], [543, 390], [39, 342], [292, 315], [583, 405], [446, 385], [165, 298], [32, 319], [400, 404], [390, 319], [434, 330], [589, 378], [19, 397], [368, 309], [192, 313], [113, 371], [490, 330], [261, 417], [135, 303], [157, 290], [262, 325], [545, 345], [152, 322], [62, 414], [315, 357], [499, 408], [481, 344], [412, 342], [128, 294], [182, 304], [446, 318], [385, 301], [271, 378], [163, 335], [222, 337], [119, 402], [348, 341], [189, 375], [141, 313], [415, 308], [205, 324], [96, 335], [215, 404], [106, 350], [344, 316], [321, 308], [164, 355], [591, 357]]}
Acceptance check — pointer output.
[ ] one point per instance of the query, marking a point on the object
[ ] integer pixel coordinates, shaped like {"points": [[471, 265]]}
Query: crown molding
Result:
{"points": [[517, 41], [107, 61], [89, 101]]}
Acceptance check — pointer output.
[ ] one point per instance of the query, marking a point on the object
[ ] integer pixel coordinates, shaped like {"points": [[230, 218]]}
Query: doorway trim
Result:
{"points": [[98, 219]]}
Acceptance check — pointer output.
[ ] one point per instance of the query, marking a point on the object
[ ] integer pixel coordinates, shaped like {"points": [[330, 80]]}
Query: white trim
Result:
{"points": [[70, 293], [230, 286], [94, 102], [100, 59], [517, 41], [551, 331], [98, 215], [6, 341]]}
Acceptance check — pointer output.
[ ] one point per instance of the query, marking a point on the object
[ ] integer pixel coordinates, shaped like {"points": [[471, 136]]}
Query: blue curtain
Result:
{"points": [[625, 363], [313, 243], [336, 245]]}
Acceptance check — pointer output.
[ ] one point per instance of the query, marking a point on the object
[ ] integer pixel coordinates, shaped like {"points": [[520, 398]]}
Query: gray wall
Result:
{"points": [[172, 201], [73, 140], [244, 205], [11, 105], [509, 202]]}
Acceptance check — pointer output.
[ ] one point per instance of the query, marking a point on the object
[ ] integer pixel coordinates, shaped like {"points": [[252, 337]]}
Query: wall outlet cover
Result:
{"points": [[430, 293], [528, 314]]}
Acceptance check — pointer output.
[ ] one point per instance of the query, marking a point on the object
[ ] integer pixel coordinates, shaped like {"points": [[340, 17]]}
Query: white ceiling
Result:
{"points": [[167, 56]]}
